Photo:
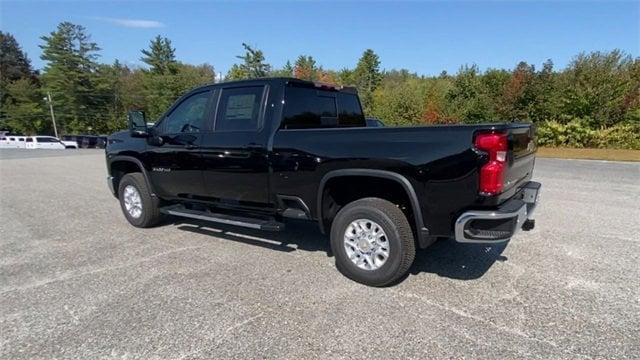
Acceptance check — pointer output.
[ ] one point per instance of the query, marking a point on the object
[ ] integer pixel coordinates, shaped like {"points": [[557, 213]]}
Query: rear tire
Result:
{"points": [[387, 259], [139, 207]]}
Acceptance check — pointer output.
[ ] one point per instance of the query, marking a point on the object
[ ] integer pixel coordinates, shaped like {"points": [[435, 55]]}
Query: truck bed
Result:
{"points": [[440, 162]]}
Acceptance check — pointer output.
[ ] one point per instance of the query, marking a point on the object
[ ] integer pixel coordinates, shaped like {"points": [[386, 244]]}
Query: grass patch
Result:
{"points": [[590, 154]]}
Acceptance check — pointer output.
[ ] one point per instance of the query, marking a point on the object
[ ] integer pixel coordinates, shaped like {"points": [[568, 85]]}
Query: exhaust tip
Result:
{"points": [[528, 225]]}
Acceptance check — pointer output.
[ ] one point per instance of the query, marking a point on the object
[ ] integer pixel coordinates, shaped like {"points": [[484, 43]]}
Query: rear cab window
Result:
{"points": [[309, 108]]}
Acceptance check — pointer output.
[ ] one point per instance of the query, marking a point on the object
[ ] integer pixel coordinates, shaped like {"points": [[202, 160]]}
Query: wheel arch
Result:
{"points": [[122, 165], [410, 192]]}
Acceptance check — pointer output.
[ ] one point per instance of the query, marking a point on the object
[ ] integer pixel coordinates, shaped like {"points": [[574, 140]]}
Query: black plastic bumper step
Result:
{"points": [[253, 223]]}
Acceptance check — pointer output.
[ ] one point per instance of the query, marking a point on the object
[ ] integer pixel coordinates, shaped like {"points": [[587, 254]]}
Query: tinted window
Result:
{"points": [[350, 110], [12, 139], [29, 139], [46, 139], [309, 108], [188, 116], [239, 109], [312, 108], [21, 139]]}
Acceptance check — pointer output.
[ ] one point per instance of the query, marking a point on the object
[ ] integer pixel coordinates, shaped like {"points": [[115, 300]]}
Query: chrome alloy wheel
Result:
{"points": [[132, 201], [366, 244]]}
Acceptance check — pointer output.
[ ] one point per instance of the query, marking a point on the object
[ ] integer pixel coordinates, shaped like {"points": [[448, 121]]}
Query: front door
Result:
{"points": [[234, 152], [173, 152]]}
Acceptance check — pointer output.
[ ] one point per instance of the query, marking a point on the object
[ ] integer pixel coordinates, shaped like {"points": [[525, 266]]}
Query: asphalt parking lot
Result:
{"points": [[77, 281]]}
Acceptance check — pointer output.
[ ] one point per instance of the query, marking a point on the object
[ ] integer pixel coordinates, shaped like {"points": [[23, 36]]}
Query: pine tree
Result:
{"points": [[253, 65], [69, 76], [14, 66], [367, 76], [160, 56], [14, 63], [253, 62], [305, 68], [286, 71], [288, 68]]}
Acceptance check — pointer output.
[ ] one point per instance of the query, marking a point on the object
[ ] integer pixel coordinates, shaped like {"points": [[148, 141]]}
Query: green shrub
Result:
{"points": [[574, 133], [620, 136], [577, 133]]}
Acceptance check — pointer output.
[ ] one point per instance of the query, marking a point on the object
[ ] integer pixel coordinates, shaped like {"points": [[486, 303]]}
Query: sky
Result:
{"points": [[426, 37]]}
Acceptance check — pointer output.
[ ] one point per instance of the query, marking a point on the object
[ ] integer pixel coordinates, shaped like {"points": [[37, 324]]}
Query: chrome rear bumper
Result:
{"points": [[495, 226]]}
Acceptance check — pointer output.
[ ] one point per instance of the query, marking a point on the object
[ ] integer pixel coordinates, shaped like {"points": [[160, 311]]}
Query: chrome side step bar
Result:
{"points": [[247, 222]]}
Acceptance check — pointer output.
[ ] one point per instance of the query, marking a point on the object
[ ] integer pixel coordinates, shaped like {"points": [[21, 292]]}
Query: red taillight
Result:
{"points": [[492, 173]]}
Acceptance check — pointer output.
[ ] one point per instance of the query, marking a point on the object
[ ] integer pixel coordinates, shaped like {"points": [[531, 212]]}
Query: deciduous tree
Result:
{"points": [[24, 109]]}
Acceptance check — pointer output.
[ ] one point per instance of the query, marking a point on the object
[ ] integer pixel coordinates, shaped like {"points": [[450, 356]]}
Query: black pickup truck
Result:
{"points": [[254, 153]]}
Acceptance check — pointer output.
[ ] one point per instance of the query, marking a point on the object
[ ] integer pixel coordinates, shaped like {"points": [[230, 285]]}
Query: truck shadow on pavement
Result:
{"points": [[454, 260], [445, 258]]}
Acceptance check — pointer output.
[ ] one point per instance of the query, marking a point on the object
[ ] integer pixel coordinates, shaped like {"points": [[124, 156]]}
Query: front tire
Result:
{"points": [[139, 207], [372, 242]]}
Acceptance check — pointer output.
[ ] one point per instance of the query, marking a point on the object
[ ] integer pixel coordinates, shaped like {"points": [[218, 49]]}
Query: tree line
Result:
{"points": [[593, 102]]}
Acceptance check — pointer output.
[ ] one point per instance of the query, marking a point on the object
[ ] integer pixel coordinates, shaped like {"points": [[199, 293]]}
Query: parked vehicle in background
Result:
{"points": [[252, 153], [49, 142], [374, 122], [70, 144], [12, 142], [88, 141]]}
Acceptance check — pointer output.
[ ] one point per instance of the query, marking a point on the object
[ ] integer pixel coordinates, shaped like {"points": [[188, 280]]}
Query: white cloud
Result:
{"points": [[133, 23]]}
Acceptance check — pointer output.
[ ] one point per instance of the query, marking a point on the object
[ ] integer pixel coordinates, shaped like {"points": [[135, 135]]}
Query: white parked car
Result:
{"points": [[12, 142], [49, 142], [70, 144]]}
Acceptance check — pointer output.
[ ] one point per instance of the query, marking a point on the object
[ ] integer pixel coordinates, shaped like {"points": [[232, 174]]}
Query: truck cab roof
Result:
{"points": [[283, 81]]}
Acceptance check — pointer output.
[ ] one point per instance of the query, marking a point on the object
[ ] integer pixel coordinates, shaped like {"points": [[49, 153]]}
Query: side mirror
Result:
{"points": [[137, 123]]}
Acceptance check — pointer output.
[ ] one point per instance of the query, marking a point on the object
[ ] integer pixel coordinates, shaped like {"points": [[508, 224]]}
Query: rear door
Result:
{"points": [[173, 155], [234, 150]]}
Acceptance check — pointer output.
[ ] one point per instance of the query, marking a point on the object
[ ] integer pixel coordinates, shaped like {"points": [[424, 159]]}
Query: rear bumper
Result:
{"points": [[496, 226]]}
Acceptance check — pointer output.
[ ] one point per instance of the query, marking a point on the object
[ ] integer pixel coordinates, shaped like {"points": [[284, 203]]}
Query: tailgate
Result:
{"points": [[521, 158]]}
